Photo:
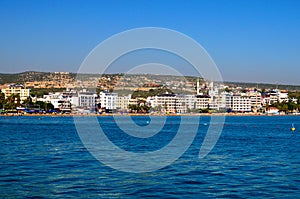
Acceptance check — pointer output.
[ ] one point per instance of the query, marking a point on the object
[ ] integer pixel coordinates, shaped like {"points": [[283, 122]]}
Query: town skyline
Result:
{"points": [[146, 94]]}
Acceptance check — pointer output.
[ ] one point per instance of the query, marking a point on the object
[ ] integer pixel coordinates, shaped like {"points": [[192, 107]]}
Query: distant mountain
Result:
{"points": [[30, 76]]}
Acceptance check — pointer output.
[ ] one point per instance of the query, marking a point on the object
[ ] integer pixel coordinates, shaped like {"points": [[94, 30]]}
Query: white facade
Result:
{"points": [[190, 101], [53, 98], [169, 103], [108, 100], [123, 102], [179, 103], [58, 100], [240, 103], [255, 98], [283, 97], [222, 100], [273, 96], [86, 99], [202, 102], [64, 105], [55, 102], [74, 100], [228, 101], [217, 98]]}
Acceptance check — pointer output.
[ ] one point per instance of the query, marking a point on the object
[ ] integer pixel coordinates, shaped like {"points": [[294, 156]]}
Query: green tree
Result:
{"points": [[285, 108], [291, 106], [135, 108], [2, 99], [156, 109], [49, 106], [44, 106], [227, 90], [12, 102], [206, 110], [28, 102], [145, 108]]}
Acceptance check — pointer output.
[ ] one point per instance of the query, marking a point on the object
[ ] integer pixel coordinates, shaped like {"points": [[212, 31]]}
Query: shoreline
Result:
{"points": [[135, 114]]}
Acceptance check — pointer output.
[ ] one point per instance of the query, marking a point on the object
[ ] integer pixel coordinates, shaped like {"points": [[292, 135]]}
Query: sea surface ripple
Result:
{"points": [[257, 157]]}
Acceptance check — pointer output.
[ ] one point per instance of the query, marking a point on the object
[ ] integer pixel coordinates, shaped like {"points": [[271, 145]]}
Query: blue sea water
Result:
{"points": [[257, 157]]}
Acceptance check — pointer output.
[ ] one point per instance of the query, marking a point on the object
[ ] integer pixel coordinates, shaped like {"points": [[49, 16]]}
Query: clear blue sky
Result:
{"points": [[252, 41]]}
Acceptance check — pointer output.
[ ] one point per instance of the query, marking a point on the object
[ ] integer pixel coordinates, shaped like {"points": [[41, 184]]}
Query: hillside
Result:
{"points": [[31, 76], [23, 77]]}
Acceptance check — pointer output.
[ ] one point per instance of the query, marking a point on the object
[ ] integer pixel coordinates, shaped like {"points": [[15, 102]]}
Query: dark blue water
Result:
{"points": [[254, 157]]}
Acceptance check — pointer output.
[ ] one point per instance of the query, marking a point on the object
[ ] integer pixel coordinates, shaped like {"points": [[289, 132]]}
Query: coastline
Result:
{"points": [[136, 114]]}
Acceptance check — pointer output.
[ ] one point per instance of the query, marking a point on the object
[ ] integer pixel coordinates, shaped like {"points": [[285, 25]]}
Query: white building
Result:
{"points": [[123, 102], [171, 103], [108, 100], [222, 100], [58, 100], [64, 105], [202, 102], [74, 100], [86, 100], [53, 98], [190, 101], [240, 103], [217, 98], [255, 98], [273, 96], [283, 97], [168, 103], [181, 103]]}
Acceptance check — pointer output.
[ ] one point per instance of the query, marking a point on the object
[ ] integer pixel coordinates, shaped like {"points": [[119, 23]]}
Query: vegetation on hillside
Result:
{"points": [[20, 78], [151, 92], [30, 76]]}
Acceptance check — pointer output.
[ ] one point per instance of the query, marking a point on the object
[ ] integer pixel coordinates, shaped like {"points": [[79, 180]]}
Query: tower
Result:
{"points": [[198, 86]]}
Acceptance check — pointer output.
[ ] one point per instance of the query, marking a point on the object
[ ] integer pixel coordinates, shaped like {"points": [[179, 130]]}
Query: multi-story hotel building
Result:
{"points": [[167, 102], [87, 99], [202, 102], [17, 89], [240, 103], [255, 98], [108, 100], [123, 102]]}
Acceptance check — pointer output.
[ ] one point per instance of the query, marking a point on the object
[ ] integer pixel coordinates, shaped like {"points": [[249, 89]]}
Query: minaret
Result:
{"points": [[198, 87]]}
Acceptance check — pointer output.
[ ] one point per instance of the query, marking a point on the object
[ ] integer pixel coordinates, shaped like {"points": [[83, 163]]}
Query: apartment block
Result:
{"points": [[87, 99], [240, 103], [108, 100], [123, 102], [17, 89]]}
